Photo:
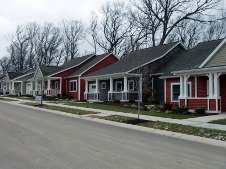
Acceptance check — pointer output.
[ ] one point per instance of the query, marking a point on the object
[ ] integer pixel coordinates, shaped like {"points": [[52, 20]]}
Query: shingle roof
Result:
{"points": [[135, 59], [189, 59], [75, 61], [13, 75], [88, 65], [48, 70], [25, 78]]}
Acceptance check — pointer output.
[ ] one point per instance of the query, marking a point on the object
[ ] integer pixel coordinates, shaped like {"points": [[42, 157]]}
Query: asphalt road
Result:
{"points": [[32, 139]]}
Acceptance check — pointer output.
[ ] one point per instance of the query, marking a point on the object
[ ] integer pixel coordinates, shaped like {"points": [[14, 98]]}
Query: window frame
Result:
{"points": [[129, 81], [74, 81], [189, 89], [105, 85]]}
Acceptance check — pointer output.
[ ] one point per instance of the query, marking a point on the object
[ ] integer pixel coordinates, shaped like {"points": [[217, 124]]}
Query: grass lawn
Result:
{"points": [[5, 99], [196, 131], [62, 109], [127, 109], [222, 121], [22, 97]]}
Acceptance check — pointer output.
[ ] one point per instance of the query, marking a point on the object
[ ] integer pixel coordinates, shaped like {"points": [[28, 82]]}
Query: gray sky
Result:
{"points": [[15, 12]]}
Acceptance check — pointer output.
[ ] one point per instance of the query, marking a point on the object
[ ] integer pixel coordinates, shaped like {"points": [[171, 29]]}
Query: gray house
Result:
{"points": [[123, 79]]}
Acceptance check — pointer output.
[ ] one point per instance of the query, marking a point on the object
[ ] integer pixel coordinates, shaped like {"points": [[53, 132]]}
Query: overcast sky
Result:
{"points": [[15, 12]]}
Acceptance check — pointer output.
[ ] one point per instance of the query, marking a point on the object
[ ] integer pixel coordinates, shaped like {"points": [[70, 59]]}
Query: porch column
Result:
{"points": [[48, 87], [60, 85], [186, 86], [21, 88], [140, 88], [216, 85], [210, 85], [13, 88], [10, 88], [181, 86], [36, 87], [111, 89], [97, 89], [86, 89], [125, 88]]}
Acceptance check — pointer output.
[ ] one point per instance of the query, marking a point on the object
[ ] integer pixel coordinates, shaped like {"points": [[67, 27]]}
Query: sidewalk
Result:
{"points": [[196, 122]]}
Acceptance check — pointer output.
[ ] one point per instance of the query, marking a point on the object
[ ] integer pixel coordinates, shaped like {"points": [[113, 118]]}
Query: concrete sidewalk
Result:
{"points": [[196, 122]]}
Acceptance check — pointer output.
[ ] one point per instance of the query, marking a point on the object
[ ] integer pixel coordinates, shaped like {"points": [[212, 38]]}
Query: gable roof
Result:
{"points": [[72, 63], [89, 64], [136, 59], [189, 59], [25, 77], [48, 70]]}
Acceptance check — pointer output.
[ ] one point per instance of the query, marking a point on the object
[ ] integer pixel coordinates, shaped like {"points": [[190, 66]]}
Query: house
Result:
{"points": [[197, 77], [1, 81], [122, 80], [64, 80], [7, 82]]}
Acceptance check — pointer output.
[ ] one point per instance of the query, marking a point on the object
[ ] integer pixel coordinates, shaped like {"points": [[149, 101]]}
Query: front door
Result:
{"points": [[28, 88], [92, 88]]}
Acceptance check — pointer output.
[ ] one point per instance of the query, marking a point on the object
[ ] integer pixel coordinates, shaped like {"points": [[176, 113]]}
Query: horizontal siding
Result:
{"points": [[219, 58]]}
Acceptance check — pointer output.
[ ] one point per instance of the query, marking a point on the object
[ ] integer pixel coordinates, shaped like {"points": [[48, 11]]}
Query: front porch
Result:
{"points": [[208, 90], [45, 86], [116, 88]]}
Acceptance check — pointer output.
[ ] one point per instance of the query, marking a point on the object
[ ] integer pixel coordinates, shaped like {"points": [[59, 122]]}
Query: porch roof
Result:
{"points": [[135, 60], [25, 78], [13, 75], [48, 70], [189, 59]]}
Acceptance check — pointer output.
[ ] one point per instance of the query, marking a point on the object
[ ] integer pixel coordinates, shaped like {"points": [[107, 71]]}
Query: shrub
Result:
{"points": [[167, 106], [182, 109], [200, 110]]}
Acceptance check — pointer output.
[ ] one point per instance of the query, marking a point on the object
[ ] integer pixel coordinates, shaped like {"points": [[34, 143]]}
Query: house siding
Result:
{"points": [[218, 59], [223, 92]]}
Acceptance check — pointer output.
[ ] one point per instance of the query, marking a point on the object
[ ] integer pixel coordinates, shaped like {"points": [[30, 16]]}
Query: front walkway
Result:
{"points": [[196, 122]]}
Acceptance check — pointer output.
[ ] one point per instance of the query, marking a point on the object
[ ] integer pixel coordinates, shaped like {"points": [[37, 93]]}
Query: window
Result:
{"points": [[118, 86], [73, 86], [175, 91], [131, 85], [103, 85]]}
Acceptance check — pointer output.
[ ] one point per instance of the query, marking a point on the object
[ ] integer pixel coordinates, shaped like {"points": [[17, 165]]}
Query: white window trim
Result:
{"points": [[190, 89], [105, 84], [70, 85], [129, 81], [116, 86]]}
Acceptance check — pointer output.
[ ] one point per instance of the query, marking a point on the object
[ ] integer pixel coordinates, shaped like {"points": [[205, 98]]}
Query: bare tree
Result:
{"points": [[73, 34], [19, 47], [5, 64], [47, 44], [165, 15], [114, 27]]}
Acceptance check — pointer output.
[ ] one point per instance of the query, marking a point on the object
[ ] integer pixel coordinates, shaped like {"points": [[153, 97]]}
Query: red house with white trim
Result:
{"points": [[197, 77], [66, 79]]}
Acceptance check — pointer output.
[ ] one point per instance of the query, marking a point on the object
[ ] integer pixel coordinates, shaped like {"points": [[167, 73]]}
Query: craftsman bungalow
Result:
{"points": [[122, 80], [66, 79], [197, 77]]}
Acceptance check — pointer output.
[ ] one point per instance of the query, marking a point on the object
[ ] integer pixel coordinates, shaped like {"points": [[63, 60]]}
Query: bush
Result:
{"points": [[200, 111], [167, 106], [182, 109]]}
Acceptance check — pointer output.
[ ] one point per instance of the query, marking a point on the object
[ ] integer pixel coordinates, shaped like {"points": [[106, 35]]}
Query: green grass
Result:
{"points": [[22, 97], [190, 130], [221, 121], [6, 99], [127, 109], [58, 108]]}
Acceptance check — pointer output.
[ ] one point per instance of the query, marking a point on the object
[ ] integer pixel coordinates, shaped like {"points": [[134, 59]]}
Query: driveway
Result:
{"points": [[33, 139]]}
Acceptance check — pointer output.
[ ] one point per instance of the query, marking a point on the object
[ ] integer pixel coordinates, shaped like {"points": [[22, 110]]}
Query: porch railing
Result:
{"points": [[92, 96]]}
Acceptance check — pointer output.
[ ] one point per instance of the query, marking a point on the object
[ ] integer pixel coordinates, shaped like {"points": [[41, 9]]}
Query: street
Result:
{"points": [[33, 139]]}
